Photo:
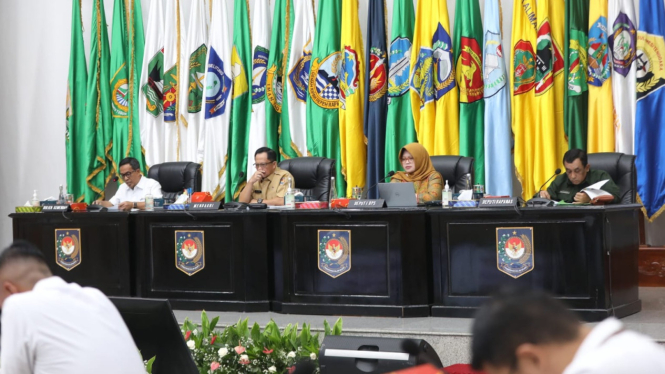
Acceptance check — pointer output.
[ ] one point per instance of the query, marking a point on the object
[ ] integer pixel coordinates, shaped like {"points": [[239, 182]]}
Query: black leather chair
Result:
{"points": [[312, 175], [621, 168], [175, 177], [453, 169]]}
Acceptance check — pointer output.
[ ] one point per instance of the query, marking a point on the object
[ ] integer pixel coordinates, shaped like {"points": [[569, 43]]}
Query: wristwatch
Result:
{"points": [[259, 201], [135, 205]]}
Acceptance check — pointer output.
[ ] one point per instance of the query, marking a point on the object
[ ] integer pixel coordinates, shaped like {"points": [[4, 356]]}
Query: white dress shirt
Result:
{"points": [[136, 195], [611, 349], [63, 328]]}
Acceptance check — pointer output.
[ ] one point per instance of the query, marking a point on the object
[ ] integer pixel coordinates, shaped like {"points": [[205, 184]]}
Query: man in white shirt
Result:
{"points": [[54, 327], [529, 332], [131, 194]]}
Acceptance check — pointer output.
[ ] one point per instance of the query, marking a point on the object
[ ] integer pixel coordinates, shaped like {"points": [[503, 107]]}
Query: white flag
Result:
{"points": [[217, 104], [261, 26], [192, 78], [151, 107], [174, 57], [623, 46]]}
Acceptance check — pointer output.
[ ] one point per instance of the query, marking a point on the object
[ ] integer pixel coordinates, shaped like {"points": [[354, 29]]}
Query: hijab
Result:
{"points": [[422, 162]]}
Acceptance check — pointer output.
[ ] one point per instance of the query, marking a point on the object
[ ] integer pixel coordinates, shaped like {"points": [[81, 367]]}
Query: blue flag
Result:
{"points": [[498, 171], [649, 121], [376, 101]]}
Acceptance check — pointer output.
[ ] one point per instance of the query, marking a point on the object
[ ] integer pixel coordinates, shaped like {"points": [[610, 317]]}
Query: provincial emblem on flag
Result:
{"points": [[494, 77], [155, 84], [299, 75], [378, 82], [197, 63], [334, 252], [240, 84], [622, 43], [599, 59], [218, 86], [349, 77], [544, 59], [421, 77], [324, 81], [119, 98], [442, 58], [524, 67], [398, 76], [68, 248], [650, 60], [470, 70], [514, 250], [189, 251], [577, 82], [259, 74], [274, 87], [170, 93], [68, 112]]}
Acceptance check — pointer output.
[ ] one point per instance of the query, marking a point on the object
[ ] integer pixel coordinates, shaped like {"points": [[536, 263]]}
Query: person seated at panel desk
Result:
{"points": [[579, 175], [419, 170], [131, 194], [269, 184]]}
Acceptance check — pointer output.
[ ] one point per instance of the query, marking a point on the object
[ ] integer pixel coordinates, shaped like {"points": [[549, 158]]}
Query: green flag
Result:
{"points": [[98, 117], [400, 129], [78, 149], [323, 101], [576, 95], [127, 42], [241, 109], [469, 70]]}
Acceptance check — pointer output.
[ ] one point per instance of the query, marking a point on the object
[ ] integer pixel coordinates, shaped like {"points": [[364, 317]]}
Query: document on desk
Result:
{"points": [[594, 190]]}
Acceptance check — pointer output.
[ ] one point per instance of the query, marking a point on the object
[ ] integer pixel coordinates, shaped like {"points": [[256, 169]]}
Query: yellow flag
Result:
{"points": [[522, 89], [601, 105], [434, 96], [351, 135]]}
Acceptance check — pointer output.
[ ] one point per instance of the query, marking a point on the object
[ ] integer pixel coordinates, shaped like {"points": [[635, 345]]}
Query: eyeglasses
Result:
{"points": [[410, 159], [259, 166], [127, 174]]}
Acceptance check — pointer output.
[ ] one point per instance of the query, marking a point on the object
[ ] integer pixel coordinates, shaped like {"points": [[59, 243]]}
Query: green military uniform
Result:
{"points": [[562, 189], [272, 186]]}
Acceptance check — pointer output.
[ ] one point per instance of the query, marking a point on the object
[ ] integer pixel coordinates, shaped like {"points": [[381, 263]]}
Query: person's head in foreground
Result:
{"points": [[576, 165], [529, 332], [22, 265]]}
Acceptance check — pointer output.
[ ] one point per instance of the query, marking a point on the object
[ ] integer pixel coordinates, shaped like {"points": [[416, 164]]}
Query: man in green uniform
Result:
{"points": [[269, 184], [578, 176]]}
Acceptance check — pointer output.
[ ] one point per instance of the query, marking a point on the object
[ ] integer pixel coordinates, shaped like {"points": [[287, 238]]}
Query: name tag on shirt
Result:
{"points": [[566, 192], [258, 191]]}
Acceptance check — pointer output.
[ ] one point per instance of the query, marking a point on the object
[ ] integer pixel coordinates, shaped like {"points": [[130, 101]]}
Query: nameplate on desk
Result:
{"points": [[213, 205], [498, 202], [366, 204], [56, 208]]}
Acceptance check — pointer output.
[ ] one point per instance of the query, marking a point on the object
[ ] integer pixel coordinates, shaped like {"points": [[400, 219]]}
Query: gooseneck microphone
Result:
{"points": [[366, 191], [556, 172]]}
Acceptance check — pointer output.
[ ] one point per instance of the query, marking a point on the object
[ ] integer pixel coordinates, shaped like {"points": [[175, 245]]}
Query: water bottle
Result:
{"points": [[289, 198], [35, 200], [61, 197], [333, 192], [149, 203], [467, 183], [446, 196]]}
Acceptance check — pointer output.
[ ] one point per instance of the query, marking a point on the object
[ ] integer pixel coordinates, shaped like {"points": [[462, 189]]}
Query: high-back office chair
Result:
{"points": [[312, 175], [453, 169], [175, 177], [621, 168]]}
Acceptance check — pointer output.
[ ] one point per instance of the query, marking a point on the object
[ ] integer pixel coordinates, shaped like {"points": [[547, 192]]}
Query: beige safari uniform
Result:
{"points": [[273, 186]]}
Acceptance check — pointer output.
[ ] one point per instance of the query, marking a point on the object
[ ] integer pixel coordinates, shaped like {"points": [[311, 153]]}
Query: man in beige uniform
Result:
{"points": [[268, 185]]}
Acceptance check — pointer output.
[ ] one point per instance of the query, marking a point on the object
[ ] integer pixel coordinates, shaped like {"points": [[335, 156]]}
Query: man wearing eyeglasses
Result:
{"points": [[131, 194], [268, 185]]}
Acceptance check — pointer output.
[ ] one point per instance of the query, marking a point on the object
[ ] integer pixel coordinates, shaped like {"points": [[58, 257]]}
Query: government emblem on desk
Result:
{"points": [[514, 250], [68, 248], [334, 252], [189, 251]]}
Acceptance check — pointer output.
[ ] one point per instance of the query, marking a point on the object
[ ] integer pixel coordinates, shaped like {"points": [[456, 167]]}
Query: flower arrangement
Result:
{"points": [[239, 349]]}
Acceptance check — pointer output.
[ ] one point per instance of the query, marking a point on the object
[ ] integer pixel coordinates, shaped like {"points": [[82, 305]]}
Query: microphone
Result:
{"points": [[556, 172], [390, 174]]}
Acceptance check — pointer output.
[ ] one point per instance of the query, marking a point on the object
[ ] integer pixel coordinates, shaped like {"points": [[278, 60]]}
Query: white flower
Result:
{"points": [[272, 369], [291, 354], [191, 344], [222, 352], [195, 331], [312, 356]]}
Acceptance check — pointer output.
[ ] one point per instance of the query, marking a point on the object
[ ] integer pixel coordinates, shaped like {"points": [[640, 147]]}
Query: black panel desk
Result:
{"points": [[587, 256]]}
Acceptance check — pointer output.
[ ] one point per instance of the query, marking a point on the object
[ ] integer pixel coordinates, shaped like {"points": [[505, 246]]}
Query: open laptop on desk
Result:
{"points": [[398, 195]]}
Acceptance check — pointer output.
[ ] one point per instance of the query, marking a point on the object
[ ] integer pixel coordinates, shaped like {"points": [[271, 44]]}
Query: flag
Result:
{"points": [[275, 73], [622, 43], [649, 121], [550, 142], [400, 129], [217, 101], [293, 135], [376, 100], [434, 97], [468, 61], [497, 138], [174, 58], [77, 133], [323, 103], [601, 105], [241, 110], [260, 45], [576, 94], [98, 107], [522, 84], [151, 108], [351, 97], [192, 76], [127, 40]]}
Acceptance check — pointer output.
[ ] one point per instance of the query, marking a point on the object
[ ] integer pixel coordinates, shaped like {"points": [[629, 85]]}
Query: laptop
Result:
{"points": [[398, 195]]}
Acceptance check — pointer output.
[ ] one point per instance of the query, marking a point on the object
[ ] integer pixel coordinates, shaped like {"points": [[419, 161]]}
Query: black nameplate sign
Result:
{"points": [[366, 204], [498, 202], [56, 208], [213, 205]]}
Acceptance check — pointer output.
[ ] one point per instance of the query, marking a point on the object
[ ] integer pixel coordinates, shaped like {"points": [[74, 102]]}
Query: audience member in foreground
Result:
{"points": [[529, 332], [54, 327]]}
